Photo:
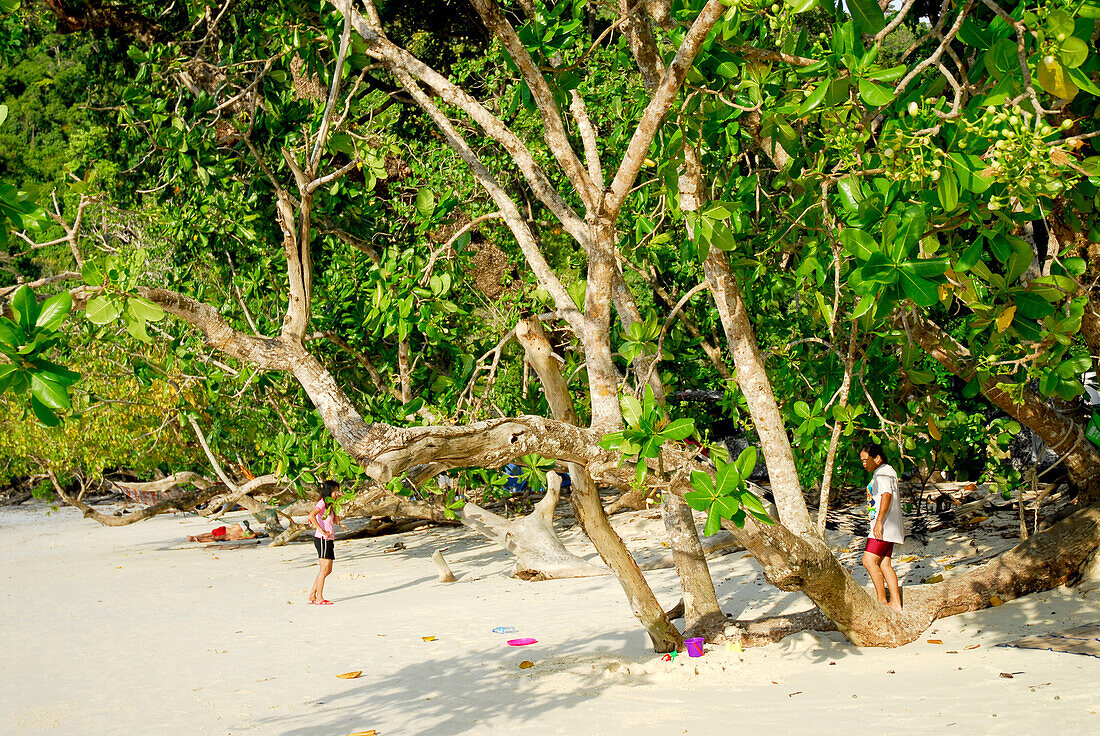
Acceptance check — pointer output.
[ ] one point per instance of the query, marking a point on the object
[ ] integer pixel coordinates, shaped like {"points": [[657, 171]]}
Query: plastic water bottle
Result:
{"points": [[504, 630]]}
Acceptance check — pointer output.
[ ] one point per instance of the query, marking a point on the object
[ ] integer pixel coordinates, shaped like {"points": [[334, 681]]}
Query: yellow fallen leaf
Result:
{"points": [[995, 601], [526, 664], [978, 519], [937, 578], [933, 430], [1005, 319], [948, 567], [428, 638], [973, 646], [935, 641], [350, 675], [910, 558], [371, 732]]}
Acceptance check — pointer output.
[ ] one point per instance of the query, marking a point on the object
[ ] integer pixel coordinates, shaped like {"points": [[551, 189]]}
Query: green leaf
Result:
{"points": [[11, 334], [425, 202], [966, 168], [679, 429], [858, 243], [727, 506], [752, 503], [947, 189], [43, 413], [4, 108], [24, 307], [891, 74], [59, 374], [92, 274], [102, 310], [801, 409], [926, 267], [851, 194], [700, 500], [1083, 81], [802, 6], [919, 289], [868, 15], [746, 461], [632, 410], [1073, 53], [973, 34], [714, 523], [54, 311], [813, 99], [136, 326], [702, 483], [50, 393], [873, 94], [727, 480], [145, 309], [970, 256], [911, 228]]}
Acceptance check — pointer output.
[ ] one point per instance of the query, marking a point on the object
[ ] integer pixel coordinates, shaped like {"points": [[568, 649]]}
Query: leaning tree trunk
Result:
{"points": [[586, 499], [540, 554], [702, 614], [1061, 433]]}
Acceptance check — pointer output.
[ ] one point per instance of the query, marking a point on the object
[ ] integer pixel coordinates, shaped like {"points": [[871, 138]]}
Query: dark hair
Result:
{"points": [[873, 450], [328, 488]]}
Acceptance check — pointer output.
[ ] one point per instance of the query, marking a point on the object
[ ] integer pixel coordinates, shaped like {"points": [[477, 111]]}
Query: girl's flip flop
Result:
{"points": [[323, 602]]}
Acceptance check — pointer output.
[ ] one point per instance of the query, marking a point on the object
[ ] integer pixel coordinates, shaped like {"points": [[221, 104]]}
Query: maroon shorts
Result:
{"points": [[879, 547]]}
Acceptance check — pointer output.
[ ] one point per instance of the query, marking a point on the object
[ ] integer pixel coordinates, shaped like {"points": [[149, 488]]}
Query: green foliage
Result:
{"points": [[647, 430], [726, 496], [25, 342]]}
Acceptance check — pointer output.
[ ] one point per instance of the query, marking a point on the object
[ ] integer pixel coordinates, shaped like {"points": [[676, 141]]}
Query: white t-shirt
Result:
{"points": [[885, 480]]}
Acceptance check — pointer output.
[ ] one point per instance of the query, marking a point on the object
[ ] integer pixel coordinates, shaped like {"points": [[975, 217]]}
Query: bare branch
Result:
{"points": [[509, 212], [588, 137], [333, 93], [553, 123], [659, 106]]}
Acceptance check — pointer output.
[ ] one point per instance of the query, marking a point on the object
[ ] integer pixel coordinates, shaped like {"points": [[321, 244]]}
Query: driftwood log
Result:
{"points": [[540, 554]]}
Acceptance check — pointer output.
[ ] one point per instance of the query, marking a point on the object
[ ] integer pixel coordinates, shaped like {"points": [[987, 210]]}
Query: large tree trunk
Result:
{"points": [[586, 499], [1061, 433], [757, 388], [702, 614]]}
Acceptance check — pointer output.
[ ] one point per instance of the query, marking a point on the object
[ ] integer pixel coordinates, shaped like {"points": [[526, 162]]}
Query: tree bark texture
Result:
{"points": [[757, 388], [702, 614]]}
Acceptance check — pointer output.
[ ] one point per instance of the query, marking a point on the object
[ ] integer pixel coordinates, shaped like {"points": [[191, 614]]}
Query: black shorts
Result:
{"points": [[326, 548]]}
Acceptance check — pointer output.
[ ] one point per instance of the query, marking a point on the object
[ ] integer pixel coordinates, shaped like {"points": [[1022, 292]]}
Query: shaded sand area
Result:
{"points": [[134, 630]]}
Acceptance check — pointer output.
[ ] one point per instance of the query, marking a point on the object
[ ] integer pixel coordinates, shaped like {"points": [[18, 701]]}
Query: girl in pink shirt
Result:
{"points": [[324, 519]]}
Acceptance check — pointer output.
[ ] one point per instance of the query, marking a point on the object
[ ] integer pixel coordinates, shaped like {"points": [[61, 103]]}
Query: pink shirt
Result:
{"points": [[327, 523]]}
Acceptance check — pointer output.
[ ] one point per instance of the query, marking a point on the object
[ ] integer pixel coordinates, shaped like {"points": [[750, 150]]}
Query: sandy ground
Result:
{"points": [[133, 630]]}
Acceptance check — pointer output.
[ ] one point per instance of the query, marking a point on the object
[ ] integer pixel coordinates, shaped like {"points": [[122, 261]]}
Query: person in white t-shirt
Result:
{"points": [[884, 516]]}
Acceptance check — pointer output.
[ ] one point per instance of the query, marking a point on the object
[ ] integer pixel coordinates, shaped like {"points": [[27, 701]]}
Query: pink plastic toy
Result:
{"points": [[521, 642]]}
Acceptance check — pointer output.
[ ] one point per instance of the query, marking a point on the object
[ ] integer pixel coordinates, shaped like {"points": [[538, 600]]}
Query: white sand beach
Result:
{"points": [[134, 630]]}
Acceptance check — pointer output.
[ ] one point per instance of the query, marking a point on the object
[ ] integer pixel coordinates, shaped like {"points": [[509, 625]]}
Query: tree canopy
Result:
{"points": [[323, 230]]}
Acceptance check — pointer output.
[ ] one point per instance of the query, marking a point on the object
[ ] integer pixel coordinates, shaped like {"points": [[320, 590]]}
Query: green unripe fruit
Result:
{"points": [[1014, 120], [1067, 124], [1060, 37], [1048, 60], [775, 8], [914, 108]]}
